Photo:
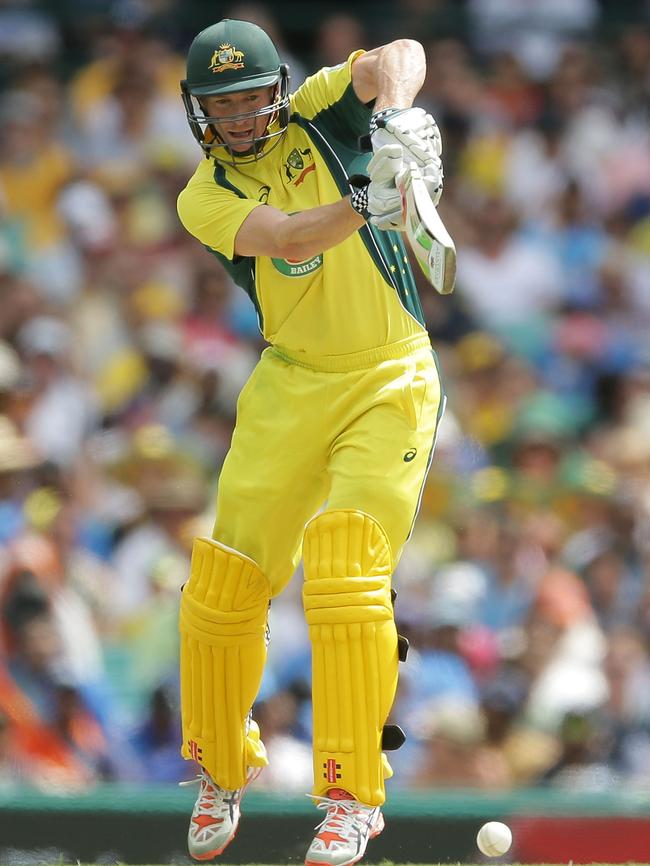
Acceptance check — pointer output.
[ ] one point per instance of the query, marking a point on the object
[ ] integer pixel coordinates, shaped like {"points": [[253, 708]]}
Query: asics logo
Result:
{"points": [[410, 455]]}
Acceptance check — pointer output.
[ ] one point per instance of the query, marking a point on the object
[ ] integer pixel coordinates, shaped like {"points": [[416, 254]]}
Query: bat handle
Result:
{"points": [[364, 143]]}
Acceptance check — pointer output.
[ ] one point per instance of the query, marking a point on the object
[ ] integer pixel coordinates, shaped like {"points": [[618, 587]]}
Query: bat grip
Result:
{"points": [[359, 181], [364, 143]]}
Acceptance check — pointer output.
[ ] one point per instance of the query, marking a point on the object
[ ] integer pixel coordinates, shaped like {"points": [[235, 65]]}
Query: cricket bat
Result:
{"points": [[430, 241]]}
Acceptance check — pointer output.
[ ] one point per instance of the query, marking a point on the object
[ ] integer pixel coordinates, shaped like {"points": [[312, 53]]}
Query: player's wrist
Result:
{"points": [[359, 201], [359, 194], [379, 118]]}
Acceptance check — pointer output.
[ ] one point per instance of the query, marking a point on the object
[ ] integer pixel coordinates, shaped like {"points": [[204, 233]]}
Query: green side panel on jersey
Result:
{"points": [[240, 268], [394, 252], [386, 249], [346, 119]]}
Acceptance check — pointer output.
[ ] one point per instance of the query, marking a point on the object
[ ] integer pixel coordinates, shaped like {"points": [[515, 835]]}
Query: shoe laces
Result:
{"points": [[212, 798], [343, 816]]}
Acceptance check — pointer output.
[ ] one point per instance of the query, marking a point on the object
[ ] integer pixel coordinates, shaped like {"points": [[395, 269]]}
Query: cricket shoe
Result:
{"points": [[215, 816], [343, 834]]}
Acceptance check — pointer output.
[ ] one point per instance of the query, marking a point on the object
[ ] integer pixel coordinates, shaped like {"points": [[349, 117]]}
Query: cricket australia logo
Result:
{"points": [[227, 57], [299, 162]]}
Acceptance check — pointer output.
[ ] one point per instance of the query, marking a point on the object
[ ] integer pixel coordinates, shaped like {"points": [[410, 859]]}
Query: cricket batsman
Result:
{"points": [[335, 427]]}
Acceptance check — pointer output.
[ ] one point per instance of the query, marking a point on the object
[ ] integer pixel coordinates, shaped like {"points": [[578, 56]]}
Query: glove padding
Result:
{"points": [[413, 128], [384, 199], [418, 134]]}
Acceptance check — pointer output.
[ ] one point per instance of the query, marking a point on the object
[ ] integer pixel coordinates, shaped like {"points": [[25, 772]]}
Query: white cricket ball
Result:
{"points": [[494, 838]]}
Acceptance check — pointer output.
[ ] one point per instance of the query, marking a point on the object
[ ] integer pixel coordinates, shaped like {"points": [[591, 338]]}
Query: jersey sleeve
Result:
{"points": [[328, 99], [214, 215]]}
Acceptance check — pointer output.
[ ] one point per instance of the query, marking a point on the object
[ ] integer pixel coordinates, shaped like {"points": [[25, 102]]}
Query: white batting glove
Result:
{"points": [[384, 199], [418, 134], [413, 128]]}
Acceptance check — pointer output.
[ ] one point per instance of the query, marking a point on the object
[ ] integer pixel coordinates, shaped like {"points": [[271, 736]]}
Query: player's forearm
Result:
{"points": [[399, 74], [318, 229], [270, 232]]}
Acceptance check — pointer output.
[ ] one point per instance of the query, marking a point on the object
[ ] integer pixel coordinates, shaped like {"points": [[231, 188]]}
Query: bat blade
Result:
{"points": [[430, 241]]}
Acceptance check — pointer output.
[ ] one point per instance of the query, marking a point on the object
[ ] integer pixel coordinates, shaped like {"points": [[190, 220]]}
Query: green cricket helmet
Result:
{"points": [[225, 58]]}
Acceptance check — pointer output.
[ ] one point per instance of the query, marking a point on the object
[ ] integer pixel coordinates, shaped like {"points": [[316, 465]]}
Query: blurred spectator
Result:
{"points": [[627, 711], [33, 172], [155, 741], [124, 38], [518, 751], [28, 34], [12, 764], [37, 668], [173, 493], [290, 758], [62, 410], [536, 34], [455, 756], [10, 374], [512, 577], [582, 764], [425, 18], [493, 270], [534, 175], [338, 36], [564, 652], [18, 459], [123, 134]]}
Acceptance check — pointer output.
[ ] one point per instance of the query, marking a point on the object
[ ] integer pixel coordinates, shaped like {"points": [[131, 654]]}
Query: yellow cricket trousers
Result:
{"points": [[346, 431]]}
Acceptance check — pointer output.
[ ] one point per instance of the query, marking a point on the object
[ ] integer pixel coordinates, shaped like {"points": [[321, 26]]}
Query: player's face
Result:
{"points": [[237, 125]]}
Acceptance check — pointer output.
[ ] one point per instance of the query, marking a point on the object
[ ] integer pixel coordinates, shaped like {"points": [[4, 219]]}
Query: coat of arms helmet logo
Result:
{"points": [[225, 57]]}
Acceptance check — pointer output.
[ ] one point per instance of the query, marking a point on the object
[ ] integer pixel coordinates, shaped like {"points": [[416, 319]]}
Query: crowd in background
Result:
{"points": [[525, 589]]}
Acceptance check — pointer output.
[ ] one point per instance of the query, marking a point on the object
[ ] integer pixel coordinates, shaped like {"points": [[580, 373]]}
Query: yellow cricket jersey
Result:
{"points": [[358, 295]]}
